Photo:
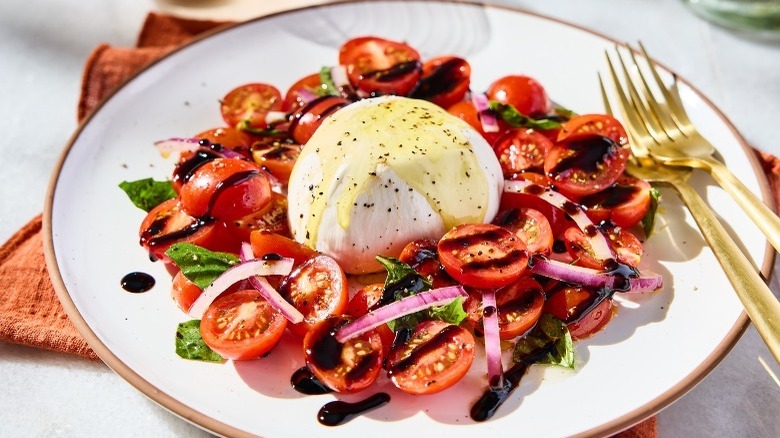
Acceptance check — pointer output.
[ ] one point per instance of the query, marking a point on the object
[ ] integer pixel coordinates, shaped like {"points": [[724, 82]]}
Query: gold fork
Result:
{"points": [[672, 138], [760, 304]]}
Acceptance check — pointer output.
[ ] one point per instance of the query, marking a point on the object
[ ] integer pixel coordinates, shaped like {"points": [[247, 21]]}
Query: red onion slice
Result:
{"points": [[273, 117], [488, 119], [339, 76], [305, 95], [176, 144], [235, 274], [405, 306], [591, 277], [268, 292], [598, 242], [492, 339]]}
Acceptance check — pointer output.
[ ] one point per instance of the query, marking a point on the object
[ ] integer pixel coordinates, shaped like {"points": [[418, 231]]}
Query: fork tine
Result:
{"points": [[628, 111], [637, 149], [677, 111], [604, 97], [660, 115], [652, 125]]}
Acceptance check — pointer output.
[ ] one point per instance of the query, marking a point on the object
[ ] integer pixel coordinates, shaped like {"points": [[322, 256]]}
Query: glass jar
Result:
{"points": [[761, 16]]}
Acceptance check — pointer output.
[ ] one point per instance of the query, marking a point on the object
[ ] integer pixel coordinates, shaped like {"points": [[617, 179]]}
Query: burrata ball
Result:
{"points": [[382, 172]]}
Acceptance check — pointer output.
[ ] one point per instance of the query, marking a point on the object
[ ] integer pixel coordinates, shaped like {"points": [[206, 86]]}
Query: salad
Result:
{"points": [[492, 220]]}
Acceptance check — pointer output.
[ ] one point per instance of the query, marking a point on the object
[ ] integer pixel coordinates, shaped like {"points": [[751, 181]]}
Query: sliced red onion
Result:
{"points": [[272, 117], [598, 242], [592, 277], [488, 119], [235, 274], [405, 306], [305, 95], [339, 76], [268, 292], [176, 144], [492, 339]]}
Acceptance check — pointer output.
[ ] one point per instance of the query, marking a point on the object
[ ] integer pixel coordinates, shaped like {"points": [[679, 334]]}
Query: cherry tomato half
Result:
{"points": [[627, 247], [249, 103], [309, 117], [597, 124], [242, 325], [278, 159], [520, 150], [184, 292], [466, 111], [579, 248], [271, 218], [530, 225], [364, 300], [379, 66], [300, 93], [624, 203], [266, 242], [318, 289], [483, 255], [567, 302], [226, 189], [422, 255], [228, 137], [519, 307], [445, 80], [526, 94], [348, 367], [435, 357], [585, 164]]}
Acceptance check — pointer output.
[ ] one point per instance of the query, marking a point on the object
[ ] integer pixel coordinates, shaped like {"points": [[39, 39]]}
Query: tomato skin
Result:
{"points": [[530, 225], [242, 325], [318, 289], [212, 189], [228, 137], [519, 307], [267, 242], [466, 111], [271, 218], [565, 303], [422, 255], [184, 292], [249, 103], [308, 118], [520, 150], [346, 368], [445, 81], [596, 124], [363, 301], [627, 247], [525, 93], [483, 255], [278, 159], [555, 216], [624, 203], [294, 98], [585, 164], [579, 248], [379, 66], [437, 356]]}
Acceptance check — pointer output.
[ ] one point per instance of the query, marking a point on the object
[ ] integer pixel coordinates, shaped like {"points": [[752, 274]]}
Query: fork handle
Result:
{"points": [[762, 216], [760, 304]]}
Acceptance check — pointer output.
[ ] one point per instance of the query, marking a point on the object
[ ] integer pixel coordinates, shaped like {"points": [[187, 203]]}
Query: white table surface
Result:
{"points": [[43, 46]]}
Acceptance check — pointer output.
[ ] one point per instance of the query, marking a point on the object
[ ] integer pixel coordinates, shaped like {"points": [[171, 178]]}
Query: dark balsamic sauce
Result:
{"points": [[410, 284], [440, 339], [622, 272], [271, 256], [339, 412], [559, 246], [304, 382], [441, 80], [534, 189], [231, 181], [184, 170], [610, 197], [588, 152], [394, 72], [137, 282]]}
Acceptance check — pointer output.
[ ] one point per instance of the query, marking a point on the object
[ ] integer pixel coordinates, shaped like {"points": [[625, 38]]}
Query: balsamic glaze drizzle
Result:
{"points": [[137, 282], [339, 412], [304, 382]]}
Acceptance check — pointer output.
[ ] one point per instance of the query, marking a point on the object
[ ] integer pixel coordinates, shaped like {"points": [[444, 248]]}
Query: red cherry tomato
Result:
{"points": [[555, 216], [271, 218], [627, 247], [483, 255], [422, 255], [364, 300], [278, 159], [299, 94], [228, 137], [226, 189], [567, 302], [530, 225], [584, 164], [519, 307], [378, 66], [242, 325], [345, 368], [445, 81], [466, 111], [597, 124], [184, 292], [309, 117], [579, 248], [523, 92], [266, 242], [520, 150], [624, 203], [437, 356], [249, 103], [318, 289]]}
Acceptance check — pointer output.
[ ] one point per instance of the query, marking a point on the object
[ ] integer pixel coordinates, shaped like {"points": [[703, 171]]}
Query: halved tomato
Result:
{"points": [[570, 304], [250, 103], [520, 150], [624, 203], [483, 255], [348, 367], [267, 242], [627, 247], [271, 218], [435, 357], [184, 292], [519, 307], [596, 124], [228, 137], [318, 289], [530, 225], [278, 159], [309, 117], [301, 92], [422, 255], [242, 325], [585, 164], [366, 299], [445, 81], [526, 94], [466, 111], [379, 66], [579, 248]]}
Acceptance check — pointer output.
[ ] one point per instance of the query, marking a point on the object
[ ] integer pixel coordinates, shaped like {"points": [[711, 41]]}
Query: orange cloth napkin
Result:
{"points": [[30, 312]]}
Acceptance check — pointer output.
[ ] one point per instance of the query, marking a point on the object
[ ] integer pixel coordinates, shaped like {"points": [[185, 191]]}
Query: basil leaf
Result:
{"points": [[452, 313], [552, 335], [404, 281], [148, 193], [517, 120], [190, 345], [648, 221], [328, 87], [564, 112], [200, 265]]}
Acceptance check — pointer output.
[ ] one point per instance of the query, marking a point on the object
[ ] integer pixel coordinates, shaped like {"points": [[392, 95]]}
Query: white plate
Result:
{"points": [[656, 348]]}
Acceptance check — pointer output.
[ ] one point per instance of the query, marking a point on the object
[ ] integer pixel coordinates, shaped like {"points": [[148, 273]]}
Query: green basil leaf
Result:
{"points": [[564, 112], [200, 265], [190, 345], [148, 193], [648, 221], [517, 120], [328, 87], [405, 281], [552, 339], [452, 313]]}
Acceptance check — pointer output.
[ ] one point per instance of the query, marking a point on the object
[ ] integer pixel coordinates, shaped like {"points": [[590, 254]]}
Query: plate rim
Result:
{"points": [[187, 413]]}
